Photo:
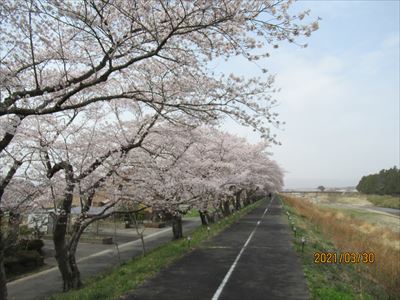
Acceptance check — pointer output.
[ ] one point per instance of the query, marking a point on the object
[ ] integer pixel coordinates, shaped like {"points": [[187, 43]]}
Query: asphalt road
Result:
{"points": [[252, 259], [97, 259], [85, 249]]}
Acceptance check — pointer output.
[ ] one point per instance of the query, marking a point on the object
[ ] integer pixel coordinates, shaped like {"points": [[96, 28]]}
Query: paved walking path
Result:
{"points": [[253, 259], [43, 284]]}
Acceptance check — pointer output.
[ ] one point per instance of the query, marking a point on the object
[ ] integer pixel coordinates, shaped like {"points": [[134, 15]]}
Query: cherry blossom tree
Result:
{"points": [[237, 166], [155, 176], [65, 56], [80, 158], [201, 169]]}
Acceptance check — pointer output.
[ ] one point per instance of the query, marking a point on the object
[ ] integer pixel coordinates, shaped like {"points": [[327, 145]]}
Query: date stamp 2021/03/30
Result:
{"points": [[344, 257]]}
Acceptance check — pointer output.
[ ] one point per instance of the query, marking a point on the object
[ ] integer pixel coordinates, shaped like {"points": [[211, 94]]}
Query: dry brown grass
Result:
{"points": [[354, 235]]}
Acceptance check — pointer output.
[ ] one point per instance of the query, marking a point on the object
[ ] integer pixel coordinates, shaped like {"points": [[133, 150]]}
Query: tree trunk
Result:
{"points": [[78, 229], [221, 210], [3, 279], [233, 203], [66, 262], [75, 274], [139, 233], [63, 265], [61, 249], [177, 227], [65, 253], [226, 209], [246, 198], [237, 201], [143, 244], [203, 217], [210, 218]]}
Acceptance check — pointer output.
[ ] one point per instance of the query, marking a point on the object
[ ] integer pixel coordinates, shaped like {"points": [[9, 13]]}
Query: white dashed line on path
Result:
{"points": [[228, 275]]}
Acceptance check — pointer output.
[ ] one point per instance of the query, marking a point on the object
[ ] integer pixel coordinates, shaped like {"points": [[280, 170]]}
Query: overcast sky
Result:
{"points": [[340, 95]]}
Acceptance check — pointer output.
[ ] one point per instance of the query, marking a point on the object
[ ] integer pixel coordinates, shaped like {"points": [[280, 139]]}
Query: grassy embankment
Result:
{"points": [[125, 278], [355, 198], [385, 200], [359, 209], [329, 230]]}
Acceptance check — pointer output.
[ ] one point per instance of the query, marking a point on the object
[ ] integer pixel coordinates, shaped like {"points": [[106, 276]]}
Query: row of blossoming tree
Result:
{"points": [[116, 95]]}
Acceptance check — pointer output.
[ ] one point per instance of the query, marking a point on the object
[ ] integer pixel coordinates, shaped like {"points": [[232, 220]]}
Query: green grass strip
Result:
{"points": [[128, 276]]}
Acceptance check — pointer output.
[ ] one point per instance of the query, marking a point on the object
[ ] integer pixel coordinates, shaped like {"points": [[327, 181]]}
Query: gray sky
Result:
{"points": [[340, 95]]}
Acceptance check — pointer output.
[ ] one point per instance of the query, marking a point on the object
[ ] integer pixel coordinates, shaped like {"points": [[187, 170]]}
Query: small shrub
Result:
{"points": [[22, 261], [29, 258], [25, 244], [36, 245], [24, 230]]}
